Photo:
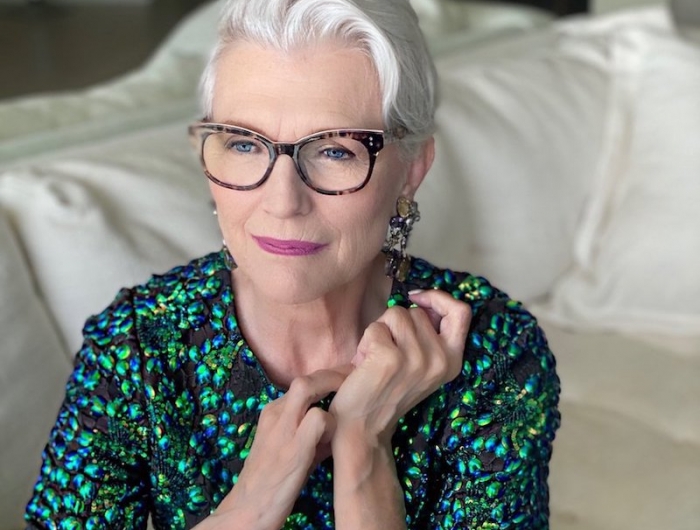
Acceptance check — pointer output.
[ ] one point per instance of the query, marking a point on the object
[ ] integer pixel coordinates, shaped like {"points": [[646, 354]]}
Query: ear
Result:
{"points": [[418, 167]]}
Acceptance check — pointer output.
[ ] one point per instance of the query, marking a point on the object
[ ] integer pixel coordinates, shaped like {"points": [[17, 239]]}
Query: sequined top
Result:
{"points": [[161, 410]]}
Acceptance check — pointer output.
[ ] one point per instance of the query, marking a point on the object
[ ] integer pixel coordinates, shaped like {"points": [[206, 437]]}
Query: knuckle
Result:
{"points": [[269, 414], [396, 316], [375, 334], [301, 385], [392, 363], [464, 314], [376, 328], [271, 408], [396, 312], [419, 315]]}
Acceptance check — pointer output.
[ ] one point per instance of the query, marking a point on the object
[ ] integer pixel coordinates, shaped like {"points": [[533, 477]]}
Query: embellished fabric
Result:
{"points": [[162, 407]]}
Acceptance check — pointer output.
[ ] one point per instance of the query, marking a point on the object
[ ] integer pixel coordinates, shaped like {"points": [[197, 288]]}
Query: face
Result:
{"points": [[292, 244]]}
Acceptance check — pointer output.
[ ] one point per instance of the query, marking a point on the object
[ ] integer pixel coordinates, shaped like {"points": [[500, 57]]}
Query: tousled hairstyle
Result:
{"points": [[386, 30]]}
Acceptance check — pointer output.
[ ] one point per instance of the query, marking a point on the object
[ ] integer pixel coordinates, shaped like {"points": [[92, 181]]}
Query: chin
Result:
{"points": [[292, 285]]}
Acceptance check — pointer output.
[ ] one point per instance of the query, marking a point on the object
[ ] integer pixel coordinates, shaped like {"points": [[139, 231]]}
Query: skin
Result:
{"points": [[319, 323]]}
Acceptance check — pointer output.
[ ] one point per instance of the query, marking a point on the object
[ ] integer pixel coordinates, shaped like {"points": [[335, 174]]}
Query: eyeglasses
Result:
{"points": [[333, 162]]}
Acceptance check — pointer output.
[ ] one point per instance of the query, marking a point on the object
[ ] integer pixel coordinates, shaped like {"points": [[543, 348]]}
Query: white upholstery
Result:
{"points": [[567, 173], [500, 107], [33, 371], [639, 241], [628, 453], [97, 219]]}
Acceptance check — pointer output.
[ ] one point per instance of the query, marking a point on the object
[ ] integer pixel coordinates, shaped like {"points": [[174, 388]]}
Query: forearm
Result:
{"points": [[366, 490]]}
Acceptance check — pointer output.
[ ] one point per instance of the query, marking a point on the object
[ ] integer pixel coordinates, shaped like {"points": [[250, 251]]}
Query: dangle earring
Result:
{"points": [[400, 226], [228, 258]]}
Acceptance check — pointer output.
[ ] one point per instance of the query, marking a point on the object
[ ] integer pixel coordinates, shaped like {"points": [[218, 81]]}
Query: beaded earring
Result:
{"points": [[400, 226], [228, 258]]}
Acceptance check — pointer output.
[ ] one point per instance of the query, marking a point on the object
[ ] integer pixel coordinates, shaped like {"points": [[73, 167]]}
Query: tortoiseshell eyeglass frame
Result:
{"points": [[373, 140]]}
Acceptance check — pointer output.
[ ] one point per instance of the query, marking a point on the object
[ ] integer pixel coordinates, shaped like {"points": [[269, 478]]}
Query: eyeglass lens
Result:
{"points": [[331, 164]]}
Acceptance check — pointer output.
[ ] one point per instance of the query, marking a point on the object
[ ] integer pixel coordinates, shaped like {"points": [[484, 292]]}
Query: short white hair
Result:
{"points": [[387, 30]]}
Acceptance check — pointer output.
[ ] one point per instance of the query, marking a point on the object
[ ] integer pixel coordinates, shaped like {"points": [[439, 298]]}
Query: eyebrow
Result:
{"points": [[237, 123]]}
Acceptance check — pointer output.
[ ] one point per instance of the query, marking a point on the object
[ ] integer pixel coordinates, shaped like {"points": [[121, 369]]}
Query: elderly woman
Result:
{"points": [[311, 374]]}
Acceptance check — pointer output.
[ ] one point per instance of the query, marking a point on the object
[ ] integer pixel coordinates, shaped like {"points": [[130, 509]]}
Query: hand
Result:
{"points": [[402, 358], [291, 438]]}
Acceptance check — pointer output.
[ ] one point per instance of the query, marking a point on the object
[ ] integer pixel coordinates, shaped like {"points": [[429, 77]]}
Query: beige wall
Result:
{"points": [[604, 6]]}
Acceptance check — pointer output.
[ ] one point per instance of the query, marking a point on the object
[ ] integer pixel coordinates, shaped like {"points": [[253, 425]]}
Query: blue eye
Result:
{"points": [[336, 153], [242, 147]]}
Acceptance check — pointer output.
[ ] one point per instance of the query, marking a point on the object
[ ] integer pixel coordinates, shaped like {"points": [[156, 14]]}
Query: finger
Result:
{"points": [[317, 426], [435, 318], [329, 428], [316, 429], [411, 330], [376, 338], [455, 315], [307, 390]]}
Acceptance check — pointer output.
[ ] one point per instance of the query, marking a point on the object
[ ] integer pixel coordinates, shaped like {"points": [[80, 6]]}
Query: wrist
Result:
{"points": [[241, 511], [359, 432], [359, 455], [366, 489]]}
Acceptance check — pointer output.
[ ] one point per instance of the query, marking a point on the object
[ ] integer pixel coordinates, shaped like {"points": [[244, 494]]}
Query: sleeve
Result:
{"points": [[500, 428], [94, 473]]}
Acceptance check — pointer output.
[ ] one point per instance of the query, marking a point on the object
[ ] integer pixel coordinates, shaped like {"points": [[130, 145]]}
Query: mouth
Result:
{"points": [[283, 247]]}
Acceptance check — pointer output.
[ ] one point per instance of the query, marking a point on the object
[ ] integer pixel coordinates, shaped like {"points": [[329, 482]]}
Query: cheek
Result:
{"points": [[364, 232], [232, 211]]}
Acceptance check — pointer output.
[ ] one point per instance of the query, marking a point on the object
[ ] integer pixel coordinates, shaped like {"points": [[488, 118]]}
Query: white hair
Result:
{"points": [[387, 30]]}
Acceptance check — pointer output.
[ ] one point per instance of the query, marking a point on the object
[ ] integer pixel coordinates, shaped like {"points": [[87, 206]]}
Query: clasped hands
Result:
{"points": [[402, 357]]}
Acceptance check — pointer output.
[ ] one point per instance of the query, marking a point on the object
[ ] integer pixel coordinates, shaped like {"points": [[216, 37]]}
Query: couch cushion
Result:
{"points": [[103, 217], [519, 128], [639, 244], [35, 367]]}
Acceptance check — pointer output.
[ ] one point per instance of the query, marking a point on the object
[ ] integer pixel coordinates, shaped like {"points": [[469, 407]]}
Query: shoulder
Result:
{"points": [[507, 359], [182, 298], [490, 306], [200, 279]]}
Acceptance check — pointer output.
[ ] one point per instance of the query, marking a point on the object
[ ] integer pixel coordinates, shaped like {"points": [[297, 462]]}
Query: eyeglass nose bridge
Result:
{"points": [[291, 150], [284, 149]]}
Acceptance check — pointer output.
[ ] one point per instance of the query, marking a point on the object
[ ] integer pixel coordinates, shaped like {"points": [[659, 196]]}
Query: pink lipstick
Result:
{"points": [[288, 247]]}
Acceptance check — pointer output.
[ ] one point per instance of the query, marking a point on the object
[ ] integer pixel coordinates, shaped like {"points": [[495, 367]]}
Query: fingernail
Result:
{"points": [[415, 291]]}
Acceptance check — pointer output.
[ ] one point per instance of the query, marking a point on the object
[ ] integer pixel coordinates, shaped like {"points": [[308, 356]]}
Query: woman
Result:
{"points": [[314, 376]]}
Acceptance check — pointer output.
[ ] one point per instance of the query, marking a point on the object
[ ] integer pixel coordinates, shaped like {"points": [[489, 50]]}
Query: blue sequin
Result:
{"points": [[161, 412]]}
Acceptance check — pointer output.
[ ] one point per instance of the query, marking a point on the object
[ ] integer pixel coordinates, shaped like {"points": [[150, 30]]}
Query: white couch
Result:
{"points": [[568, 172]]}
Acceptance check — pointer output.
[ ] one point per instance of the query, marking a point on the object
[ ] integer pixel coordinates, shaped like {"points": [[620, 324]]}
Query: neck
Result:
{"points": [[295, 339]]}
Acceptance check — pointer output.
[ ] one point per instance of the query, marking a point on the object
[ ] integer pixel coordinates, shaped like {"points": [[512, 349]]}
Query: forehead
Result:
{"points": [[294, 93]]}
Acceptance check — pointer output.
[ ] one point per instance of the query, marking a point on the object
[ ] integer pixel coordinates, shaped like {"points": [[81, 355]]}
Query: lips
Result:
{"points": [[286, 247]]}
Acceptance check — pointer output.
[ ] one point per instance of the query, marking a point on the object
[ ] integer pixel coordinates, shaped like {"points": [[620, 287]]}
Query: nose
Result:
{"points": [[284, 193]]}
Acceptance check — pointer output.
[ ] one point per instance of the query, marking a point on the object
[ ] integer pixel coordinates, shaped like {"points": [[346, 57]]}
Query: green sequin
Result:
{"points": [[162, 407]]}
